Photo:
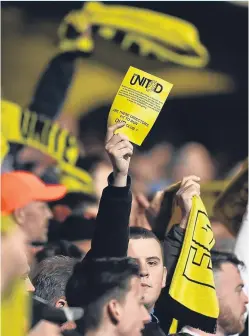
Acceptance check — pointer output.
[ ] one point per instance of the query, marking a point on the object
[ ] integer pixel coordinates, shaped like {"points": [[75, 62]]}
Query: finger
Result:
{"points": [[191, 177], [118, 149], [111, 130], [191, 183], [113, 141], [123, 144], [192, 194], [125, 152], [120, 145], [118, 137], [188, 190], [123, 136]]}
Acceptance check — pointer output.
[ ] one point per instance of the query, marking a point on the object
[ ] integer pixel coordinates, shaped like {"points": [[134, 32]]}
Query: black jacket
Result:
{"points": [[111, 239]]}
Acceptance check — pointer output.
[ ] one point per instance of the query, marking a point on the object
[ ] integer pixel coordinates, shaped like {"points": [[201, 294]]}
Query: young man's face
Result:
{"points": [[134, 314], [148, 254], [232, 299]]}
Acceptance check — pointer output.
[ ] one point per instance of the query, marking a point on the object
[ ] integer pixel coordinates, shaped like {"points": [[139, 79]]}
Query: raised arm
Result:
{"points": [[173, 240], [112, 235], [172, 245]]}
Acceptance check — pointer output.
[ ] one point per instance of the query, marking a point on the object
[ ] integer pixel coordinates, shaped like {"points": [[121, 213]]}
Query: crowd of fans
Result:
{"points": [[102, 263], [107, 260]]}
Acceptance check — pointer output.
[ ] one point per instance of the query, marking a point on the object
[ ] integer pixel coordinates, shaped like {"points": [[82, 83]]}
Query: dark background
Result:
{"points": [[219, 122]]}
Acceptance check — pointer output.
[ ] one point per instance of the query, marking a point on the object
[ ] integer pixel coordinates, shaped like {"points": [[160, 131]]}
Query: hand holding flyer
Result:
{"points": [[138, 103]]}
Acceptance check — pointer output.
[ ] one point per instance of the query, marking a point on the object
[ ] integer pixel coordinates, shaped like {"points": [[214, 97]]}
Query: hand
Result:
{"points": [[189, 188], [45, 328], [119, 150]]}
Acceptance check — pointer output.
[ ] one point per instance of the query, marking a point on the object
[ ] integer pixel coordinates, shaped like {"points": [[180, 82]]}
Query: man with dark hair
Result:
{"points": [[158, 259], [232, 298], [111, 236], [59, 248], [148, 251], [51, 277], [109, 290]]}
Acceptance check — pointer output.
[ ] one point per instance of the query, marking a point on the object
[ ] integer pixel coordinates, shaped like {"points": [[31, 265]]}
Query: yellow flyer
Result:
{"points": [[138, 103]]}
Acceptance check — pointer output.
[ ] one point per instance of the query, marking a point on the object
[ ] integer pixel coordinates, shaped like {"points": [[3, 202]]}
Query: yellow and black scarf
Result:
{"points": [[28, 128], [192, 296], [142, 31]]}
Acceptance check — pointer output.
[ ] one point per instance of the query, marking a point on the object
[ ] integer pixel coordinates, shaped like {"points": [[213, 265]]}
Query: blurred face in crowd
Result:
{"points": [[232, 299], [220, 230], [132, 313], [194, 159], [34, 218], [148, 254]]}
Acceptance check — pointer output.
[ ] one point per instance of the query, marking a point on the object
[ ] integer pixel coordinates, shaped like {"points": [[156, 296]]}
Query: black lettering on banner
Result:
{"points": [[42, 134], [46, 132], [199, 258], [39, 125], [70, 153], [25, 124], [148, 84], [56, 139], [31, 130]]}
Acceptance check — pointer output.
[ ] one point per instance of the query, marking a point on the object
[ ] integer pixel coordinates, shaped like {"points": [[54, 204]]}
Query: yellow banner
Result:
{"points": [[138, 103], [4, 147], [30, 129], [14, 300], [165, 37], [193, 282]]}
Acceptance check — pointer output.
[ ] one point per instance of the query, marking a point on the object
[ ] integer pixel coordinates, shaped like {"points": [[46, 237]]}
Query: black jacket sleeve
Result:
{"points": [[172, 248], [111, 235]]}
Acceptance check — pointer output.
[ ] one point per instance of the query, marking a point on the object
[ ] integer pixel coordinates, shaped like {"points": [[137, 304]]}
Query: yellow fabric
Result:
{"points": [[155, 33], [4, 147], [173, 327], [28, 128], [15, 300], [193, 283], [15, 310], [73, 184]]}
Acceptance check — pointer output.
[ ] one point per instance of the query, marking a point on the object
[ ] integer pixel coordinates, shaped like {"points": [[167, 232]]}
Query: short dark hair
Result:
{"points": [[61, 248], [51, 277], [94, 282], [219, 258], [142, 233]]}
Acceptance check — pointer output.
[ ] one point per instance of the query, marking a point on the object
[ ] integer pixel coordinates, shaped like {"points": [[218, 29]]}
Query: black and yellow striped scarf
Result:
{"points": [[22, 126], [142, 31]]}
